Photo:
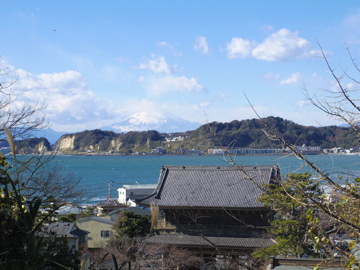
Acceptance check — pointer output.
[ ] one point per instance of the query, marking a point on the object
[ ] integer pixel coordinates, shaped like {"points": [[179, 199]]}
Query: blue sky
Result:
{"points": [[96, 63]]}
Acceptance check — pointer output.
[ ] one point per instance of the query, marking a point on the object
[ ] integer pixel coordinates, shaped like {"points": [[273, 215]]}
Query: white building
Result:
{"points": [[129, 193]]}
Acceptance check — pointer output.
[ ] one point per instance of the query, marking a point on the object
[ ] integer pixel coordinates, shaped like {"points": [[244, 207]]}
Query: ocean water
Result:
{"points": [[97, 171]]}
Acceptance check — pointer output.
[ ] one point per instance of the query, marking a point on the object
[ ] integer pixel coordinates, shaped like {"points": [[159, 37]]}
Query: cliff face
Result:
{"points": [[66, 142], [105, 141], [116, 144], [33, 146]]}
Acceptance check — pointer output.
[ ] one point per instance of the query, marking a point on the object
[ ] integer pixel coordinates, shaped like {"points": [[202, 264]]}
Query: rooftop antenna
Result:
{"points": [[110, 186]]}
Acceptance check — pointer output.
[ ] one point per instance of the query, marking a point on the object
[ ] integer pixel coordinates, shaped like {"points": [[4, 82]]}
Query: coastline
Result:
{"points": [[170, 154]]}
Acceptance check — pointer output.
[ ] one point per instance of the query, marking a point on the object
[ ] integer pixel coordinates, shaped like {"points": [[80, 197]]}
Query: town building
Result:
{"points": [[109, 206], [127, 194], [193, 152], [212, 208], [180, 151], [158, 151], [176, 138], [246, 151]]}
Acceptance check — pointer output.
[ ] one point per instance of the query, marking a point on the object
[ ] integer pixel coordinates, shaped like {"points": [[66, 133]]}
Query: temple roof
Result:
{"points": [[195, 240], [211, 186]]}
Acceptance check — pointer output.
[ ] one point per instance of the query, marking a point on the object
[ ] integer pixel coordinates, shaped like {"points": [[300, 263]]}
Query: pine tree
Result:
{"points": [[291, 229]]}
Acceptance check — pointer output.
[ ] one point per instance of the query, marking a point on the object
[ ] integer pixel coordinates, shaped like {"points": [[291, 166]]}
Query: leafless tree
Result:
{"points": [[171, 257], [22, 120], [42, 175], [334, 217]]}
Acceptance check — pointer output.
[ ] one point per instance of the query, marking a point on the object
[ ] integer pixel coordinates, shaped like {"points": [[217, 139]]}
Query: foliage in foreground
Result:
{"points": [[333, 217], [21, 247], [291, 229]]}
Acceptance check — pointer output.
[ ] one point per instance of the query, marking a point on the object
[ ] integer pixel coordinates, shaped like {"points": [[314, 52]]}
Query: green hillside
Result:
{"points": [[238, 134], [250, 133], [104, 141], [33, 146]]}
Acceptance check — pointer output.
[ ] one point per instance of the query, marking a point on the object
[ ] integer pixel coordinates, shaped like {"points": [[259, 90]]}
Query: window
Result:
{"points": [[82, 239], [105, 233]]}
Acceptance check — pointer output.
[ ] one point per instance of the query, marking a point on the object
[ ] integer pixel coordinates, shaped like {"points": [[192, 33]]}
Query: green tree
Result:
{"points": [[71, 217], [334, 214], [131, 225], [291, 229], [20, 226]]}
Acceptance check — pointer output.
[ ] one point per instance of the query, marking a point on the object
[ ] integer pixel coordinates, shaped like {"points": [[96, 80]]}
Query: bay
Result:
{"points": [[97, 171]]}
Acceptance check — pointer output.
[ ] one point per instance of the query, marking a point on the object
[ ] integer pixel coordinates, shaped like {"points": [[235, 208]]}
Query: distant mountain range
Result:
{"points": [[51, 135], [143, 121]]}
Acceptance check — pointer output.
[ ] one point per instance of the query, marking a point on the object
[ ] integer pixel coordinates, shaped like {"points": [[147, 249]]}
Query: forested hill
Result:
{"points": [[245, 133], [103, 141], [250, 133]]}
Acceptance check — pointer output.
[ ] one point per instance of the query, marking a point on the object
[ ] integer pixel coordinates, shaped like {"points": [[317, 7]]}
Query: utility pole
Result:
{"points": [[110, 186]]}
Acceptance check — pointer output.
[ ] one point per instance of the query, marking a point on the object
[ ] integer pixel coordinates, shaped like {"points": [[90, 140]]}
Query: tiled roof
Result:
{"points": [[63, 229], [136, 210], [111, 203], [211, 186], [194, 240], [68, 209], [104, 220]]}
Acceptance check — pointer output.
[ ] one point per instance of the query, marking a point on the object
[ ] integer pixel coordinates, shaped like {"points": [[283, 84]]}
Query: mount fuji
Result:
{"points": [[153, 121]]}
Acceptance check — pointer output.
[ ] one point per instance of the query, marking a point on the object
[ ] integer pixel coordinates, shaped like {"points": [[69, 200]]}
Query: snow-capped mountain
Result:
{"points": [[153, 121]]}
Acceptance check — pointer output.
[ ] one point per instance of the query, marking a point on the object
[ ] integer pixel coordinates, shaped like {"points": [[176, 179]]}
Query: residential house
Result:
{"points": [[207, 208], [76, 237], [158, 150], [69, 208], [100, 230]]}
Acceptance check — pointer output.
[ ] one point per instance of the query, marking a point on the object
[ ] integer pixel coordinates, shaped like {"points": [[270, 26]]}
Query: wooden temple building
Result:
{"points": [[212, 209]]}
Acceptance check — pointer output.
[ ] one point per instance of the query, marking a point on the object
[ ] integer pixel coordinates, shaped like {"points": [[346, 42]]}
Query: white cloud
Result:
{"points": [[303, 103], [171, 84], [121, 59], [70, 103], [294, 78], [169, 47], [224, 96], [283, 45], [163, 44], [348, 86], [238, 48], [205, 104], [141, 79], [157, 65], [268, 28], [134, 106], [353, 20], [271, 76], [202, 45]]}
